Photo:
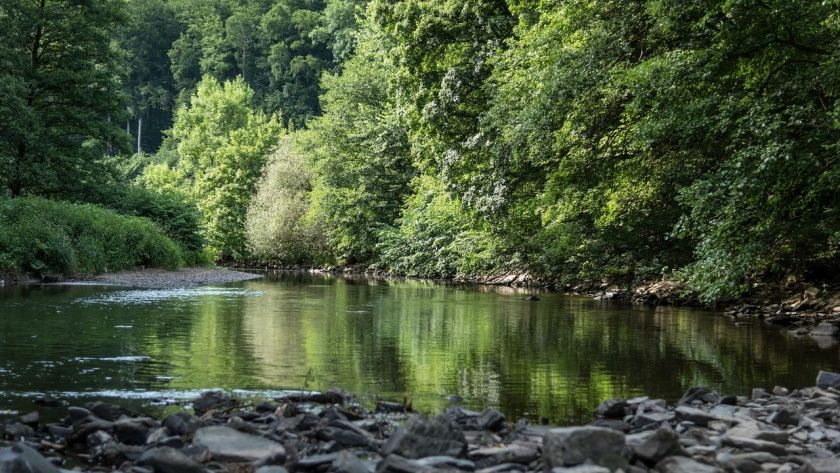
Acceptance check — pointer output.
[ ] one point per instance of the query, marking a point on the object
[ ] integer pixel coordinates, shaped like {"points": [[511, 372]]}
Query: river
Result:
{"points": [[436, 344]]}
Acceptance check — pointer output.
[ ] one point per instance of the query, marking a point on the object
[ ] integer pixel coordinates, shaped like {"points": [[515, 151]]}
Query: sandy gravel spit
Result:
{"points": [[164, 279]]}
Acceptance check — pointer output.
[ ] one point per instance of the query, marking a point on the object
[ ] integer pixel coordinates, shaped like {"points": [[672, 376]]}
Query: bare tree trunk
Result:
{"points": [[139, 134]]}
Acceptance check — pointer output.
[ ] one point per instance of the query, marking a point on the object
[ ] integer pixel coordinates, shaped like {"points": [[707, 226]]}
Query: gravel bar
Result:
{"points": [[163, 279]]}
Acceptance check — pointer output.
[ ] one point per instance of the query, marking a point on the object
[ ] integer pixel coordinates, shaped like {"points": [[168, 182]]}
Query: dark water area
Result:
{"points": [[555, 358]]}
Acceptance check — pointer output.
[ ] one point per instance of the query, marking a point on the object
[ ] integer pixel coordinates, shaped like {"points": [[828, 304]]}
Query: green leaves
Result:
{"points": [[223, 145]]}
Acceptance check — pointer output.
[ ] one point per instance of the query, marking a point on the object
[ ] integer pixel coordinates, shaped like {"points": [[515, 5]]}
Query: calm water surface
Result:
{"points": [[556, 358]]}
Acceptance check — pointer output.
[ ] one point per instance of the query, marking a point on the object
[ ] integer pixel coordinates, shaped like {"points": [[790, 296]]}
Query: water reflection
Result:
{"points": [[557, 357]]}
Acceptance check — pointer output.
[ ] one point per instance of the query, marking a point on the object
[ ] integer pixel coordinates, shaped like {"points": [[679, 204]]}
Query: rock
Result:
{"points": [[421, 437], [777, 436], [314, 462], [75, 413], [398, 464], [280, 469], [212, 400], [226, 444], [614, 424], [132, 431], [821, 403], [649, 418], [613, 409], [503, 468], [30, 419], [651, 447], [347, 462], [824, 465], [342, 437], [581, 469], [729, 400], [827, 379], [443, 462], [683, 465], [696, 416], [698, 393], [169, 460], [785, 416], [491, 419], [17, 431], [758, 393], [180, 423], [508, 454], [106, 411], [333, 396], [572, 446], [20, 458], [825, 329], [754, 445], [385, 406]]}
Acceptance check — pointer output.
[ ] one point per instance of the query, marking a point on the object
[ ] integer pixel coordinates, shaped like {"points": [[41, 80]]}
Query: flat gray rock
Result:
{"points": [[169, 460], [684, 465], [229, 445], [22, 459], [421, 437], [572, 446], [827, 379]]}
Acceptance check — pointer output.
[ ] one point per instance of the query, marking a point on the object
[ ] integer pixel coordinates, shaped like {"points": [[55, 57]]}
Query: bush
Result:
{"points": [[179, 219], [277, 225], [436, 238], [49, 237]]}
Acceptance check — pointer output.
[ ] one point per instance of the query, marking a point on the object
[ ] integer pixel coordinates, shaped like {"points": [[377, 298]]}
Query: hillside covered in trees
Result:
{"points": [[581, 141]]}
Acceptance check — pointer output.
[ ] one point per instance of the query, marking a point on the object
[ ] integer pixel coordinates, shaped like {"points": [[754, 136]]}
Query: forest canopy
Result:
{"points": [[606, 141]]}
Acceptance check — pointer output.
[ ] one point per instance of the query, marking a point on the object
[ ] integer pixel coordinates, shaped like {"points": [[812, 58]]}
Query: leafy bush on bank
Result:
{"points": [[50, 238]]}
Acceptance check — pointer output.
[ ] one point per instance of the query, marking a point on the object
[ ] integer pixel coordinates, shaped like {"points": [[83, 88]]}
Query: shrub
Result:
{"points": [[277, 226], [179, 219], [50, 237], [437, 238]]}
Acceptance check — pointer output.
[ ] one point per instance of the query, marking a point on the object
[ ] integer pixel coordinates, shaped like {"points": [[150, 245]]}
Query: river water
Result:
{"points": [[438, 345]]}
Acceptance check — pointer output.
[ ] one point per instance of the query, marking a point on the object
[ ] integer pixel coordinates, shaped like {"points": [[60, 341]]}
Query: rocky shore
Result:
{"points": [[170, 279], [774, 431]]}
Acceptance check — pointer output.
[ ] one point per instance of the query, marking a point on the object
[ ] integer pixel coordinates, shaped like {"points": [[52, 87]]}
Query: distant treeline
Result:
{"points": [[610, 140]]}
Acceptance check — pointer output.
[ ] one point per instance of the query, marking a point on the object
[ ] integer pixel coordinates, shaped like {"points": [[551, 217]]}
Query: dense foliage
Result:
{"points": [[583, 141], [41, 236]]}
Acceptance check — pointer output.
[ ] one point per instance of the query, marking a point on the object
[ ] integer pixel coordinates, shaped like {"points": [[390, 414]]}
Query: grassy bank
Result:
{"points": [[45, 237]]}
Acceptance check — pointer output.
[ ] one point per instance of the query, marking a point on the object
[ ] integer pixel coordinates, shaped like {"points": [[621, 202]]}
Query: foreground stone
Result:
{"points": [[775, 430]]}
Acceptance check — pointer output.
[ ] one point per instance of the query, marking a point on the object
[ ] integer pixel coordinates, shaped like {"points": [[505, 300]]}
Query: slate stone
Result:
{"points": [[683, 465], [572, 446], [425, 437], [20, 458], [226, 444], [169, 460]]}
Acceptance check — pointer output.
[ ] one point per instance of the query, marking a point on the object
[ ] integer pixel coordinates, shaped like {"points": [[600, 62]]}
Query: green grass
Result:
{"points": [[46, 237]]}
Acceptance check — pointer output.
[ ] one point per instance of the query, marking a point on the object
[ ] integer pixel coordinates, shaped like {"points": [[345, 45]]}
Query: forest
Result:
{"points": [[622, 141]]}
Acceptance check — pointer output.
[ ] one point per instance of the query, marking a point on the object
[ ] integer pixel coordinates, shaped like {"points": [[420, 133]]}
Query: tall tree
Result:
{"points": [[60, 97]]}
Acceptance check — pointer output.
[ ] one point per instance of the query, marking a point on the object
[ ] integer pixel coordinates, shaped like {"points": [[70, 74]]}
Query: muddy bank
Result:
{"points": [[165, 279], [774, 430]]}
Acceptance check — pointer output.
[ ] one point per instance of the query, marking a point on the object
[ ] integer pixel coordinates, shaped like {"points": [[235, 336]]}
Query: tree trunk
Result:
{"points": [[139, 134]]}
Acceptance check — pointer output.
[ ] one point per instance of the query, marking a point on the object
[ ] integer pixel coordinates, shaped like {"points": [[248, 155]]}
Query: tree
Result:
{"points": [[223, 144], [359, 150], [60, 98], [147, 36]]}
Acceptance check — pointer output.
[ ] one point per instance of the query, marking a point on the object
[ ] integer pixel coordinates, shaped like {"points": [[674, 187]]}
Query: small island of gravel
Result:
{"points": [[170, 279]]}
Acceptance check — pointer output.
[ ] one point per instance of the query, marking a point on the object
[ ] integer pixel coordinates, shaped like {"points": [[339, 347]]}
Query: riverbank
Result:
{"points": [[169, 279], [778, 431]]}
